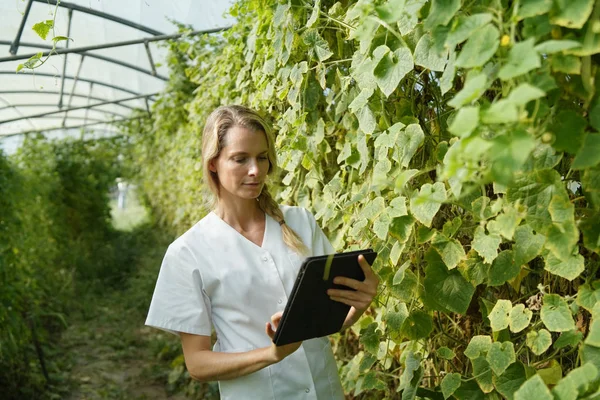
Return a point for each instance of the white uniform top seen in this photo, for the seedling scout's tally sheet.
(212, 276)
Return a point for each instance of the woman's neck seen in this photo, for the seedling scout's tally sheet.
(241, 215)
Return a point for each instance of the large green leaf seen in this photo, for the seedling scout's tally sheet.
(450, 250)
(500, 356)
(500, 315)
(318, 47)
(482, 372)
(443, 289)
(417, 325)
(410, 16)
(486, 244)
(522, 58)
(576, 383)
(449, 384)
(589, 154)
(590, 181)
(478, 347)
(424, 204)
(511, 380)
(556, 314)
(407, 143)
(568, 129)
(528, 244)
(533, 388)
(391, 68)
(539, 341)
(465, 121)
(519, 318)
(503, 268)
(473, 89)
(441, 12)
(570, 268)
(427, 57)
(530, 8)
(463, 27)
(571, 13)
(590, 228)
(479, 48)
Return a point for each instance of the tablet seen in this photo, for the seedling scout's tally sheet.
(309, 312)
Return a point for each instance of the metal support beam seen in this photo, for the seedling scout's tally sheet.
(82, 126)
(73, 87)
(76, 108)
(21, 105)
(14, 46)
(147, 46)
(8, 103)
(97, 56)
(64, 71)
(56, 92)
(109, 45)
(46, 75)
(101, 14)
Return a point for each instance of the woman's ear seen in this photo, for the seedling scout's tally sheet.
(211, 166)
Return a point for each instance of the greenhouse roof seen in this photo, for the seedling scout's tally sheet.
(113, 64)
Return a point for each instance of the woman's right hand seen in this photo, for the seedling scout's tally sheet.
(279, 352)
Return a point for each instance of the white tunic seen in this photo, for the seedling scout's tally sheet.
(212, 276)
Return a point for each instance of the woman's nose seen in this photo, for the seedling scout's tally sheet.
(253, 168)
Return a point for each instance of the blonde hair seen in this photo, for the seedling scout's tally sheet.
(219, 122)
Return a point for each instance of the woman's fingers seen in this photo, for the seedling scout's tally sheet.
(269, 330)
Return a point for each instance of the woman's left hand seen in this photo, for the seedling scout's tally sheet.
(361, 297)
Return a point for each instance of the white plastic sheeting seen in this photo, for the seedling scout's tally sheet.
(31, 93)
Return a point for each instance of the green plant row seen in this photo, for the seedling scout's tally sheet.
(460, 139)
(56, 241)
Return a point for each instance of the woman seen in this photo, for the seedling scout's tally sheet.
(233, 270)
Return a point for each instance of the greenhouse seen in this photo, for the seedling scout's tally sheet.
(181, 180)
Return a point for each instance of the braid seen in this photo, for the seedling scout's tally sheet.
(271, 208)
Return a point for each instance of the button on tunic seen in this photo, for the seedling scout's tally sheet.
(213, 277)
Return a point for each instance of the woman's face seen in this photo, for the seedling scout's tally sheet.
(243, 164)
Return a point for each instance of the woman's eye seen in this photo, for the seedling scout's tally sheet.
(239, 160)
(262, 158)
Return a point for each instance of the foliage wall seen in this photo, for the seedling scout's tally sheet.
(460, 139)
(55, 241)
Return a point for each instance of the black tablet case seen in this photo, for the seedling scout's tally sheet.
(309, 312)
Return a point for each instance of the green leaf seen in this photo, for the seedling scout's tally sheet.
(410, 16)
(43, 28)
(524, 93)
(392, 67)
(395, 319)
(576, 383)
(528, 244)
(473, 89)
(451, 226)
(19, 67)
(567, 64)
(463, 27)
(483, 374)
(590, 228)
(500, 356)
(398, 207)
(314, 15)
(401, 228)
(568, 129)
(531, 8)
(506, 223)
(370, 338)
(391, 11)
(590, 181)
(57, 39)
(500, 112)
(519, 318)
(427, 57)
(594, 114)
(571, 13)
(319, 48)
(539, 341)
(443, 289)
(510, 152)
(500, 315)
(478, 347)
(503, 269)
(417, 325)
(424, 204)
(569, 269)
(555, 46)
(474, 269)
(486, 244)
(465, 121)
(511, 380)
(589, 154)
(447, 79)
(407, 143)
(569, 338)
(552, 373)
(555, 314)
(533, 388)
(479, 48)
(450, 250)
(588, 295)
(361, 100)
(366, 120)
(449, 384)
(441, 13)
(522, 58)
(445, 353)
(469, 390)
